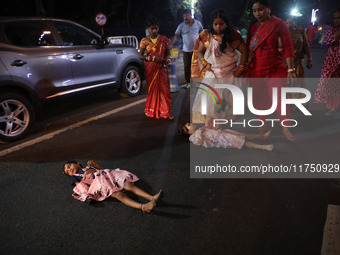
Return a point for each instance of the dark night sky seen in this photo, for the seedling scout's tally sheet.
(121, 23)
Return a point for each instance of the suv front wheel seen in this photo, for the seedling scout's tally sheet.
(16, 116)
(131, 81)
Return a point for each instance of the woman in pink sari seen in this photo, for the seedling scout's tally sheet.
(158, 103)
(328, 90)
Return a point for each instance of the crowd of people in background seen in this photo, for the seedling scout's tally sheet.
(271, 54)
(271, 49)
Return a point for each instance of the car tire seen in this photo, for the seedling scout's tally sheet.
(131, 81)
(16, 116)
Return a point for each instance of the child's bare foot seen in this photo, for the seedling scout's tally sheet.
(288, 134)
(148, 206)
(265, 135)
(268, 147)
(158, 195)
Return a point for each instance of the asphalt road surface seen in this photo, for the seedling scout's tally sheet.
(271, 216)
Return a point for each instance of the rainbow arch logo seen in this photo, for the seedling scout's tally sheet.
(209, 93)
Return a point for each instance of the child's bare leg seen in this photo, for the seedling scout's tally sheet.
(141, 193)
(267, 147)
(258, 136)
(132, 203)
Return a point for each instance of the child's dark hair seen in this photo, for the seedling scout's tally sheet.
(151, 21)
(71, 162)
(227, 33)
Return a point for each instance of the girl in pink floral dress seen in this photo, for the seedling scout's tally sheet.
(328, 90)
(95, 183)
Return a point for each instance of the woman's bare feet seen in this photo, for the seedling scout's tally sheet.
(262, 129)
(330, 113)
(288, 134)
(267, 147)
(158, 196)
(148, 206)
(266, 135)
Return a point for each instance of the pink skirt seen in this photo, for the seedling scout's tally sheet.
(102, 184)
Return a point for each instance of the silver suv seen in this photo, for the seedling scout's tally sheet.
(42, 58)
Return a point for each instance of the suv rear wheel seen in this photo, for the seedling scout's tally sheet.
(16, 116)
(131, 81)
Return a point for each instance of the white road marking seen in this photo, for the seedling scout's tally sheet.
(50, 135)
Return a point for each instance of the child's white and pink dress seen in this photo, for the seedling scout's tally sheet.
(220, 138)
(102, 184)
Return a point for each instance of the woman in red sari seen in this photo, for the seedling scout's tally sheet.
(266, 61)
(158, 103)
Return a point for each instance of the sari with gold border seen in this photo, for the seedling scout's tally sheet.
(158, 103)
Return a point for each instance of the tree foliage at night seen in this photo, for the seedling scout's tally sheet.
(128, 16)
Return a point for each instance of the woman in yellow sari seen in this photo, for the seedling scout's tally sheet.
(158, 103)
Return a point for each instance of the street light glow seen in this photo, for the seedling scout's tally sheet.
(296, 13)
(313, 19)
(192, 8)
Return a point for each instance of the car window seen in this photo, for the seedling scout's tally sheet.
(29, 34)
(74, 35)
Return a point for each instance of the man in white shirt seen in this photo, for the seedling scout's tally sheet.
(189, 29)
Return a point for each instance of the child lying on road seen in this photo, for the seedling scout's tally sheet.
(94, 182)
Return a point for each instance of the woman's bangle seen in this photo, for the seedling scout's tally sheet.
(147, 58)
(153, 58)
(291, 70)
(204, 63)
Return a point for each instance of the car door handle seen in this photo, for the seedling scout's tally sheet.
(119, 51)
(78, 56)
(18, 62)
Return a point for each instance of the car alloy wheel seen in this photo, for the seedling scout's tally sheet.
(16, 116)
(132, 82)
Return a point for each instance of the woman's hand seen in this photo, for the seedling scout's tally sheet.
(309, 63)
(291, 76)
(208, 67)
(158, 60)
(337, 36)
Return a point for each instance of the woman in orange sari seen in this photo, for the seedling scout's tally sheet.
(158, 103)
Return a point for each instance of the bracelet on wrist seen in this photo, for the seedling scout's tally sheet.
(153, 58)
(291, 70)
(204, 63)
